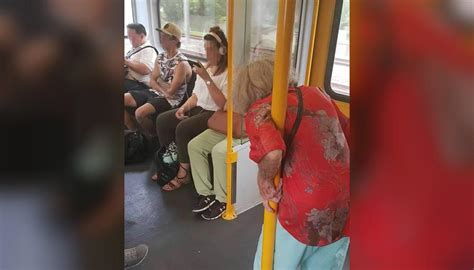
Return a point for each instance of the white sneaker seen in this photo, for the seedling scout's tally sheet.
(134, 256)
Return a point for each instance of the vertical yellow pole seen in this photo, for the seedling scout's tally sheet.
(231, 155)
(286, 18)
(312, 42)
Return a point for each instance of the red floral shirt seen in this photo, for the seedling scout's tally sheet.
(314, 208)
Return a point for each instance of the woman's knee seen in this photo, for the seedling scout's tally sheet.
(143, 112)
(162, 118)
(129, 101)
(219, 150)
(195, 145)
(165, 121)
(184, 128)
(185, 132)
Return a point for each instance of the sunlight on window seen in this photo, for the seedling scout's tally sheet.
(128, 18)
(263, 27)
(340, 72)
(194, 17)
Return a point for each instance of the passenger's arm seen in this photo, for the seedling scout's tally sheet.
(178, 79)
(267, 148)
(188, 105)
(267, 170)
(137, 67)
(155, 75)
(263, 135)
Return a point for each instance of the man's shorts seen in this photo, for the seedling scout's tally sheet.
(132, 85)
(141, 97)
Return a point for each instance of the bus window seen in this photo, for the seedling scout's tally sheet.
(194, 18)
(340, 68)
(263, 25)
(127, 6)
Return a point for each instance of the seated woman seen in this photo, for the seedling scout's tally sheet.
(168, 85)
(253, 82)
(209, 95)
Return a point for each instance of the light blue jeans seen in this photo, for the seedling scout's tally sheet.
(290, 254)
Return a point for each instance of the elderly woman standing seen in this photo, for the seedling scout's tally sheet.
(313, 211)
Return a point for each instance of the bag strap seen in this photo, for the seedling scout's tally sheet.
(148, 46)
(130, 55)
(289, 138)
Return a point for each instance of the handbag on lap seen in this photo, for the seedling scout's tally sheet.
(218, 122)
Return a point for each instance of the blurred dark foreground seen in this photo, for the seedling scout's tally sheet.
(61, 194)
(412, 118)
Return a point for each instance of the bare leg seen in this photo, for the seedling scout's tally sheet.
(182, 178)
(128, 120)
(183, 170)
(143, 115)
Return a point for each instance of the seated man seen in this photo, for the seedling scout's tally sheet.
(139, 60)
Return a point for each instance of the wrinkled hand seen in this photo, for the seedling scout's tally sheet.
(269, 192)
(180, 113)
(202, 72)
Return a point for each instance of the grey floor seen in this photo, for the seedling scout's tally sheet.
(177, 238)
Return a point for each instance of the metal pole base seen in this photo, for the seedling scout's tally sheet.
(229, 213)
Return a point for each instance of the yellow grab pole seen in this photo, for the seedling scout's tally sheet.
(229, 213)
(312, 40)
(286, 18)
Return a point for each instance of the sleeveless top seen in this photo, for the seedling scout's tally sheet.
(167, 67)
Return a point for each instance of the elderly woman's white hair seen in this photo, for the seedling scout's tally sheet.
(253, 82)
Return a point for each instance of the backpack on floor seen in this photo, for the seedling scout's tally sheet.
(135, 147)
(166, 163)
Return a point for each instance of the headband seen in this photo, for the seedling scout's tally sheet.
(215, 36)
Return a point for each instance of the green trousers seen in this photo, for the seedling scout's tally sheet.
(214, 143)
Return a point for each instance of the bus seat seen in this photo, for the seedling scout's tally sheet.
(189, 88)
(190, 85)
(245, 193)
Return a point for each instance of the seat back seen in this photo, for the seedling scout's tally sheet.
(189, 87)
(191, 83)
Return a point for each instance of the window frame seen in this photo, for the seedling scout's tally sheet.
(332, 54)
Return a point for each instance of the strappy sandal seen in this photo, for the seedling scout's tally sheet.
(177, 182)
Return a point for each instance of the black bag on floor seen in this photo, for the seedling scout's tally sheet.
(136, 147)
(166, 163)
